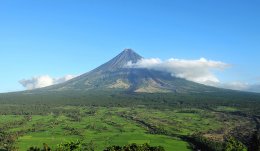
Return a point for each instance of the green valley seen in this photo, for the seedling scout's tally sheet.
(169, 127)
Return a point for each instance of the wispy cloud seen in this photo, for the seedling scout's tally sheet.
(242, 86)
(257, 79)
(254, 88)
(201, 70)
(235, 85)
(43, 81)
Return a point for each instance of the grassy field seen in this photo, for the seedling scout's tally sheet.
(106, 126)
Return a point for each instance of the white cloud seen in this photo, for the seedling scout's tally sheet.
(201, 70)
(64, 79)
(254, 88)
(242, 86)
(235, 85)
(43, 81)
(257, 79)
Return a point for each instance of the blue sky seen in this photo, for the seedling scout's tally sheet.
(60, 37)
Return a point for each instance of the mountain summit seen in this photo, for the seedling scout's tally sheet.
(116, 76)
(120, 61)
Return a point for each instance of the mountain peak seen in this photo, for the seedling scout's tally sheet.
(127, 50)
(127, 55)
(130, 53)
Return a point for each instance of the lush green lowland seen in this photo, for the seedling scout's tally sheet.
(175, 124)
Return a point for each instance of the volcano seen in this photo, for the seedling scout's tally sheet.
(116, 83)
(115, 75)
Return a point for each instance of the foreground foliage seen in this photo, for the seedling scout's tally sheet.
(234, 145)
(79, 146)
(135, 147)
(230, 144)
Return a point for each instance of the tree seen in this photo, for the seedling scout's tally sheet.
(135, 147)
(234, 145)
(34, 149)
(45, 148)
(75, 146)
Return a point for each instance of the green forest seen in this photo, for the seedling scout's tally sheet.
(156, 122)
